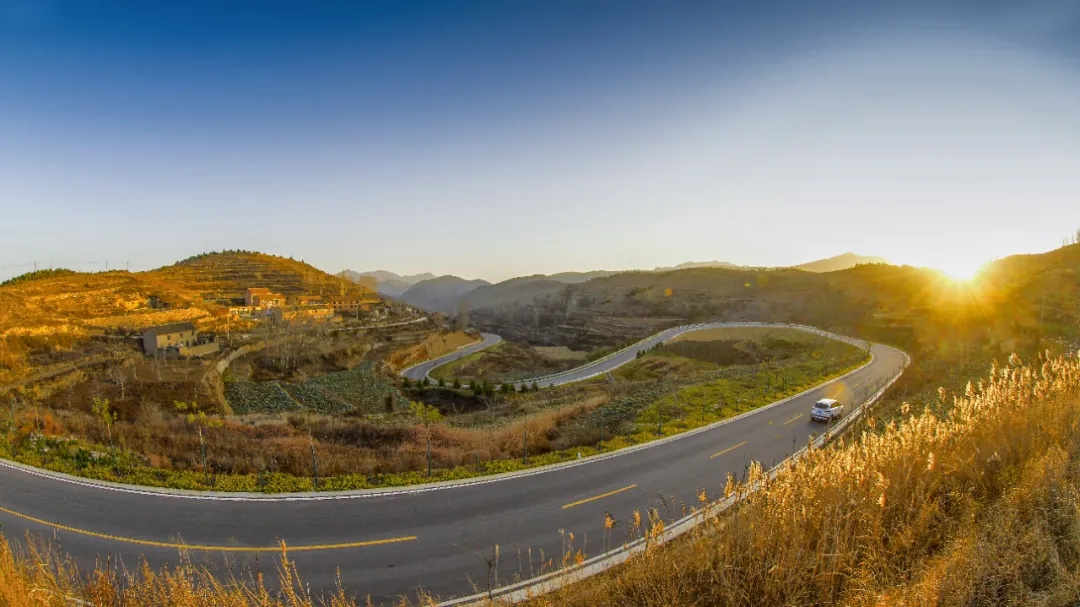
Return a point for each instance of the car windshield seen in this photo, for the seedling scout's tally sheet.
(821, 405)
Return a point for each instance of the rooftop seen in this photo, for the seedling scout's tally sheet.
(175, 327)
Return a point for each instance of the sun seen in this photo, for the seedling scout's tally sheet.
(961, 271)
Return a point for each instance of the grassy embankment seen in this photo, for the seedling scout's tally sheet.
(507, 361)
(385, 449)
(978, 507)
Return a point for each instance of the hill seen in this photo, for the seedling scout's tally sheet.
(226, 275)
(510, 292)
(697, 264)
(839, 262)
(55, 317)
(447, 294)
(442, 294)
(386, 283)
(576, 277)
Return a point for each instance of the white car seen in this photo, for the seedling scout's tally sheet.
(826, 410)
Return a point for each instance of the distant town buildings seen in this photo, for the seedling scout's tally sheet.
(262, 303)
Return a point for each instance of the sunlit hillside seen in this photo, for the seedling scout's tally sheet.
(227, 274)
(52, 317)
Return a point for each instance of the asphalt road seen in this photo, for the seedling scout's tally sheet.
(419, 372)
(438, 539)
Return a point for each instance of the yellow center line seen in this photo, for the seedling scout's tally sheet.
(592, 499)
(178, 546)
(732, 448)
(799, 416)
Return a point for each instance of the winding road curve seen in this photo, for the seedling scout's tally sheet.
(391, 542)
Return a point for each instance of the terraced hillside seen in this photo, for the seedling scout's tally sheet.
(53, 318)
(226, 275)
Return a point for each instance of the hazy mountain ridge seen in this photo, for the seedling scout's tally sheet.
(441, 294)
(449, 294)
(838, 262)
(386, 283)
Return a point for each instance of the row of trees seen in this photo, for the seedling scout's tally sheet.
(484, 388)
(641, 353)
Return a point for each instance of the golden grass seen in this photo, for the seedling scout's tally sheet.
(979, 507)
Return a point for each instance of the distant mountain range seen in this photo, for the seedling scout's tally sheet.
(840, 262)
(831, 264)
(387, 283)
(451, 294)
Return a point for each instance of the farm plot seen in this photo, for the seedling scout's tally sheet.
(258, 397)
(334, 393)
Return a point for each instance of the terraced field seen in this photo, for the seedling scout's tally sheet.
(357, 389)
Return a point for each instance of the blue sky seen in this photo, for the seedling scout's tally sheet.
(495, 139)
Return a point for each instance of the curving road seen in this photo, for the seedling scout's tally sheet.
(424, 369)
(392, 542)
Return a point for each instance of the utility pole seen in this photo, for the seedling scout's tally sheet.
(314, 461)
(202, 447)
(601, 429)
(525, 446)
(429, 453)
(660, 410)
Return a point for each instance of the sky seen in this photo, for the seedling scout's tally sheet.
(507, 138)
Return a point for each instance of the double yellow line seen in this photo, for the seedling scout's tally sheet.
(204, 547)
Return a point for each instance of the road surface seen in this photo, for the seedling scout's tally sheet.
(439, 539)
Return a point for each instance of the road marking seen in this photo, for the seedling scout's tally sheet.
(178, 546)
(799, 416)
(726, 450)
(593, 499)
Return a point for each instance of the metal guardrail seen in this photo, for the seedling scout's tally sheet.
(555, 580)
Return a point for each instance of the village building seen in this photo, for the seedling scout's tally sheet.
(177, 339)
(259, 297)
(315, 312)
(352, 303)
(306, 300)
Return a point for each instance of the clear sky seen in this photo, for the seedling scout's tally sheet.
(495, 139)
